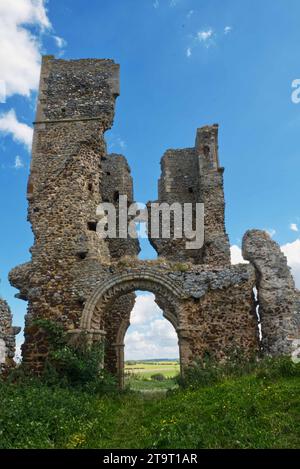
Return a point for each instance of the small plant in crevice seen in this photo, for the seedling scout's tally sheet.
(180, 267)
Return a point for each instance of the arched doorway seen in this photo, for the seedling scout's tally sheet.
(151, 351)
(107, 312)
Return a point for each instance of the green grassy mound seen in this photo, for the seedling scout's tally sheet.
(251, 411)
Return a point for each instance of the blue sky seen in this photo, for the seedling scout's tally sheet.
(184, 64)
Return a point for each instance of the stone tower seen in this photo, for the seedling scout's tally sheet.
(193, 175)
(7, 338)
(75, 107)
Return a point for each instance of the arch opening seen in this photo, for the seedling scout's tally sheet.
(107, 313)
(151, 345)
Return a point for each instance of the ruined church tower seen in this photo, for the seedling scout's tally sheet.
(87, 284)
(75, 107)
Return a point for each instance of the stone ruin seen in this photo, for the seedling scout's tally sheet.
(87, 284)
(7, 338)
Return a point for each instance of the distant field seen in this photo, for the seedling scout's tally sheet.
(145, 369)
(138, 375)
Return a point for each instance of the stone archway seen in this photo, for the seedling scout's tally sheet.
(98, 313)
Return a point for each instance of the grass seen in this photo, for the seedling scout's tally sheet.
(256, 410)
(139, 384)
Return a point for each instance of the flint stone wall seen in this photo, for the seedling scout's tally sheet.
(7, 337)
(193, 175)
(277, 296)
(214, 311)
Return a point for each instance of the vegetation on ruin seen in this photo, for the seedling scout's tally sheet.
(70, 363)
(254, 408)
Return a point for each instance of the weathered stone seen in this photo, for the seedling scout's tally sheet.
(278, 298)
(7, 337)
(194, 175)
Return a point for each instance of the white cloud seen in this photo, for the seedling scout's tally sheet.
(271, 232)
(122, 144)
(115, 142)
(292, 253)
(18, 353)
(2, 91)
(144, 310)
(21, 133)
(150, 335)
(20, 48)
(290, 250)
(205, 35)
(162, 329)
(18, 163)
(156, 4)
(294, 227)
(236, 255)
(60, 42)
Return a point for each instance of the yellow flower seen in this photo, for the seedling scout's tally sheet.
(76, 440)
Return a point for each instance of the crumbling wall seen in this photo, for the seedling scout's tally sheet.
(7, 337)
(216, 249)
(277, 296)
(75, 108)
(117, 181)
(193, 175)
(212, 310)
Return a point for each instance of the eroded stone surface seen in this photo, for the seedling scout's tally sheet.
(277, 296)
(7, 337)
(193, 175)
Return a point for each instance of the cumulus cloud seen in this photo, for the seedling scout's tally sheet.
(21, 133)
(20, 48)
(2, 91)
(294, 227)
(18, 352)
(236, 255)
(150, 336)
(144, 310)
(292, 253)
